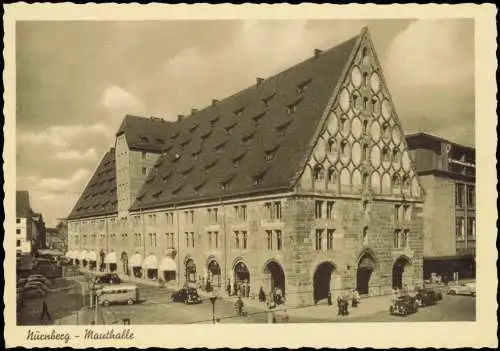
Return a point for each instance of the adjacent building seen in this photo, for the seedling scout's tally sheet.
(447, 172)
(30, 227)
(303, 182)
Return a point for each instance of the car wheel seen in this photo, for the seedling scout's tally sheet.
(130, 301)
(473, 294)
(105, 303)
(452, 292)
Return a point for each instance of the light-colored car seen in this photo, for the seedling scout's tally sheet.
(33, 291)
(21, 282)
(463, 289)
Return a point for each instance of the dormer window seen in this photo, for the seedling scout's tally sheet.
(331, 145)
(239, 112)
(282, 127)
(229, 128)
(193, 128)
(385, 155)
(199, 185)
(268, 99)
(159, 141)
(144, 139)
(365, 103)
(292, 108)
(206, 135)
(343, 148)
(175, 135)
(302, 87)
(365, 79)
(256, 119)
(157, 194)
(385, 130)
(220, 146)
(194, 155)
(332, 175)
(248, 137)
(396, 155)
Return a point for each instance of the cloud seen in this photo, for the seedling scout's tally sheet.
(117, 99)
(62, 136)
(73, 155)
(75, 182)
(430, 73)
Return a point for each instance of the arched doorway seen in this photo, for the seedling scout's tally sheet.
(190, 269)
(366, 267)
(124, 259)
(277, 276)
(400, 273)
(213, 269)
(321, 281)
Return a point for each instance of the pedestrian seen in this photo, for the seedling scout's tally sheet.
(235, 288)
(45, 311)
(262, 295)
(394, 296)
(339, 307)
(329, 298)
(228, 288)
(355, 298)
(239, 306)
(286, 317)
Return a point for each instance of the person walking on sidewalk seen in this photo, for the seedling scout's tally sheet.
(329, 298)
(286, 317)
(45, 311)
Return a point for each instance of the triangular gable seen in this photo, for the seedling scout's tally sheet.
(360, 146)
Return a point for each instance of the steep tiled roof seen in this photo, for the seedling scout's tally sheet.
(145, 134)
(23, 209)
(99, 196)
(253, 141)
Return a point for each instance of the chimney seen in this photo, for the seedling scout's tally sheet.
(215, 102)
(317, 52)
(193, 111)
(259, 81)
(179, 117)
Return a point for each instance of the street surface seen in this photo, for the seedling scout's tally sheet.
(156, 307)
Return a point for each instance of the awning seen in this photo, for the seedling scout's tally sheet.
(135, 260)
(150, 262)
(110, 257)
(168, 264)
(92, 256)
(84, 255)
(77, 255)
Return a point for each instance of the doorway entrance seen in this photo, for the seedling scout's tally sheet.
(277, 276)
(366, 267)
(398, 273)
(322, 280)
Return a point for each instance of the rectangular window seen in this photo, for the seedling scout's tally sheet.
(243, 210)
(18, 231)
(18, 220)
(405, 238)
(186, 216)
(471, 196)
(192, 239)
(216, 239)
(269, 211)
(144, 171)
(318, 209)
(319, 239)
(459, 227)
(269, 234)
(191, 216)
(397, 233)
(329, 209)
(471, 228)
(245, 238)
(407, 212)
(277, 207)
(187, 238)
(459, 195)
(144, 155)
(396, 212)
(210, 239)
(154, 239)
(18, 243)
(279, 240)
(236, 240)
(329, 239)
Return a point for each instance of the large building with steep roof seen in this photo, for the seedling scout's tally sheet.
(302, 182)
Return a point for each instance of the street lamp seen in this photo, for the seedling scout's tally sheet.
(213, 298)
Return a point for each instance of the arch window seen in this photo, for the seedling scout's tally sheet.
(343, 148)
(365, 236)
(386, 132)
(319, 173)
(396, 155)
(331, 145)
(332, 175)
(365, 79)
(385, 155)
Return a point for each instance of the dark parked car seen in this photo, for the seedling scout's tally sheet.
(187, 295)
(105, 279)
(404, 305)
(427, 297)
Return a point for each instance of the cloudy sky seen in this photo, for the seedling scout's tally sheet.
(76, 81)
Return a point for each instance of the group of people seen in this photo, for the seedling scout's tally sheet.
(343, 302)
(239, 288)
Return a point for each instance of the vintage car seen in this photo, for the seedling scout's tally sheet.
(404, 305)
(37, 284)
(105, 279)
(187, 295)
(462, 289)
(32, 291)
(39, 278)
(427, 297)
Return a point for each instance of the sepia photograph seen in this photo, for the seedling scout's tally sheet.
(224, 171)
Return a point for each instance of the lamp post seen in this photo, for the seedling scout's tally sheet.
(213, 298)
